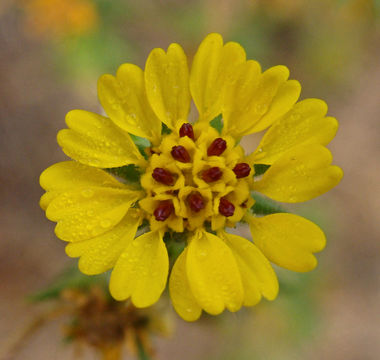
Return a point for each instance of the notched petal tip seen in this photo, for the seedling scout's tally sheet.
(288, 240)
(337, 173)
(141, 271)
(167, 86)
(183, 300)
(300, 174)
(213, 275)
(214, 37)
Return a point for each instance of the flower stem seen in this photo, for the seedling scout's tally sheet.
(141, 352)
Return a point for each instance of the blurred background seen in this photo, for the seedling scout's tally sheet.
(51, 55)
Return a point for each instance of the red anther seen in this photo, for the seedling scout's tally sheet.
(217, 147)
(180, 153)
(241, 170)
(163, 210)
(196, 202)
(226, 208)
(186, 130)
(163, 176)
(212, 174)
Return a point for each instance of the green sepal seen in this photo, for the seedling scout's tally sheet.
(130, 173)
(141, 144)
(165, 129)
(175, 244)
(217, 123)
(260, 169)
(265, 206)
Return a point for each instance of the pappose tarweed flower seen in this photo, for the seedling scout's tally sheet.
(194, 179)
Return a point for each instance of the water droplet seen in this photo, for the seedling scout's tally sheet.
(94, 231)
(105, 223)
(87, 193)
(261, 109)
(116, 106)
(295, 116)
(202, 254)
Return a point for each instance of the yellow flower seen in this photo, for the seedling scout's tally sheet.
(194, 180)
(60, 17)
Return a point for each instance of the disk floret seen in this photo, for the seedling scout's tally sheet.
(196, 176)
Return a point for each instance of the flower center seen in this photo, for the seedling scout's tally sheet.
(195, 177)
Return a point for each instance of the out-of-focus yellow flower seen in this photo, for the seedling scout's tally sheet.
(107, 325)
(57, 18)
(194, 179)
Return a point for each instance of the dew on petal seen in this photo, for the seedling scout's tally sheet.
(87, 193)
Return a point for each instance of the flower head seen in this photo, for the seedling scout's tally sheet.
(194, 180)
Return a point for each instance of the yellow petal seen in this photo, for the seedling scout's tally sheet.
(89, 212)
(71, 174)
(141, 271)
(256, 272)
(182, 298)
(253, 101)
(288, 240)
(96, 141)
(213, 65)
(100, 254)
(47, 198)
(302, 173)
(167, 84)
(68, 175)
(124, 99)
(304, 124)
(286, 96)
(238, 97)
(213, 274)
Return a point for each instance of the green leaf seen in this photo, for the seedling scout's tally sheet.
(265, 206)
(71, 278)
(217, 123)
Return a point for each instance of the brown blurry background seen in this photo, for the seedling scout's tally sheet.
(51, 54)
